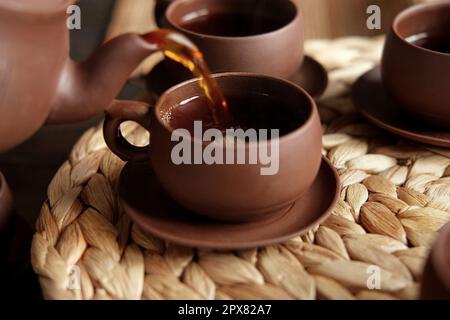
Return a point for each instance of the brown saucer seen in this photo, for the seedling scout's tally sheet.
(371, 99)
(312, 77)
(148, 206)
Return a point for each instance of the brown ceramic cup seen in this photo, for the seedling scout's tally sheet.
(230, 192)
(417, 78)
(277, 53)
(436, 277)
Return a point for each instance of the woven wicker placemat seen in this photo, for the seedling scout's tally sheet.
(395, 197)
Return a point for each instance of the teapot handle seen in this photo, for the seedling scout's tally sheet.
(119, 112)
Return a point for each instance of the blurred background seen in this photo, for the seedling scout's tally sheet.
(323, 18)
(30, 167)
(338, 18)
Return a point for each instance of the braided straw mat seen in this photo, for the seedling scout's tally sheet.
(395, 197)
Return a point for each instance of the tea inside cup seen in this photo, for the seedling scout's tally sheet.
(234, 18)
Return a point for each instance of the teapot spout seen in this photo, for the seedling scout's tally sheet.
(86, 89)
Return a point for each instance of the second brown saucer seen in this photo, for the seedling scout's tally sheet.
(373, 102)
(312, 77)
(143, 199)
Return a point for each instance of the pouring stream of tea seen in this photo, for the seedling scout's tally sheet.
(177, 47)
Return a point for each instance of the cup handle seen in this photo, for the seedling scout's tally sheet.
(117, 113)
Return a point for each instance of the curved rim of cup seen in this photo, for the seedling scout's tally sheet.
(441, 256)
(410, 11)
(286, 26)
(307, 124)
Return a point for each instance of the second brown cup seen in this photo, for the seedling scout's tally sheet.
(229, 192)
(415, 71)
(259, 36)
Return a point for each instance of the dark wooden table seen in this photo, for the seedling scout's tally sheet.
(30, 167)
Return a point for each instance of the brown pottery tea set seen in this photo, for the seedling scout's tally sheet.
(254, 50)
(250, 47)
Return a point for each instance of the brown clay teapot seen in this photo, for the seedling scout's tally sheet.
(39, 83)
